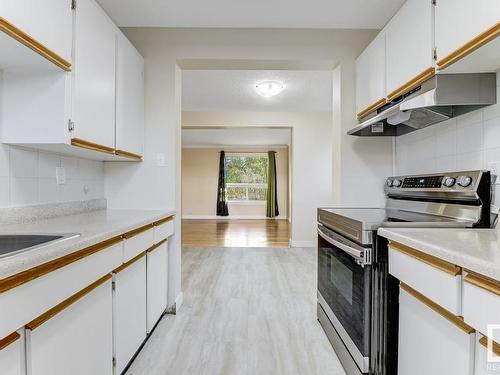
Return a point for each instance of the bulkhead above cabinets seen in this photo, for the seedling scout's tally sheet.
(72, 83)
(420, 41)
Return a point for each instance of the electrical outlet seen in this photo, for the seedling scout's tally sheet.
(160, 160)
(60, 175)
(494, 168)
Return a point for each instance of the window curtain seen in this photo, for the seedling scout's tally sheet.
(221, 187)
(272, 194)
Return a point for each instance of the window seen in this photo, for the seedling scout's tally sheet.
(246, 177)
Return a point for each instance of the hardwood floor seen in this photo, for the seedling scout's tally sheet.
(235, 233)
(246, 311)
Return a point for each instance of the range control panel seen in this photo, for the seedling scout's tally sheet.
(431, 182)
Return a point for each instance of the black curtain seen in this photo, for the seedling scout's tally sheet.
(221, 187)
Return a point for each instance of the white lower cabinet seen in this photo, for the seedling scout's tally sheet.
(77, 339)
(157, 281)
(487, 361)
(12, 355)
(129, 311)
(429, 343)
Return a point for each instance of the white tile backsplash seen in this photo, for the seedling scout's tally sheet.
(29, 177)
(471, 141)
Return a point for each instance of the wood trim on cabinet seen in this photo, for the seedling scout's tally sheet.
(412, 83)
(496, 347)
(483, 282)
(129, 263)
(163, 221)
(137, 231)
(457, 321)
(156, 246)
(7, 340)
(470, 46)
(129, 155)
(92, 146)
(43, 269)
(37, 322)
(19, 35)
(440, 264)
(379, 103)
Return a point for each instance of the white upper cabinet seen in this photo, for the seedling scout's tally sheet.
(459, 22)
(129, 98)
(48, 22)
(409, 46)
(370, 77)
(94, 75)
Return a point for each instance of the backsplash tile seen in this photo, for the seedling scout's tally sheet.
(28, 177)
(471, 141)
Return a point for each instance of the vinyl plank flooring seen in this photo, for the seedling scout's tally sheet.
(246, 311)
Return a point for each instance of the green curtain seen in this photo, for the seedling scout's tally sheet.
(272, 194)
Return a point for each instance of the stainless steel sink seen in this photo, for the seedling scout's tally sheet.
(11, 244)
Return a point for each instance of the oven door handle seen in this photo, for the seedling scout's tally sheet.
(357, 254)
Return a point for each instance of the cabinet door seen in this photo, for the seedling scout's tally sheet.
(460, 21)
(49, 22)
(370, 77)
(129, 98)
(11, 355)
(77, 340)
(94, 75)
(157, 271)
(487, 359)
(129, 311)
(429, 343)
(409, 44)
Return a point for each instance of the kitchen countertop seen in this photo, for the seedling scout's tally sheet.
(94, 227)
(477, 250)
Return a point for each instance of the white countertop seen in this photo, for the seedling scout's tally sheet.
(477, 250)
(94, 227)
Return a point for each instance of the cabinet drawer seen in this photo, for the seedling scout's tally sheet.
(137, 241)
(481, 304)
(27, 301)
(11, 354)
(164, 229)
(434, 278)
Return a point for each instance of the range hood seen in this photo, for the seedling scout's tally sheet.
(439, 98)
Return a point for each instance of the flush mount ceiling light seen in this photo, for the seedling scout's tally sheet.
(268, 89)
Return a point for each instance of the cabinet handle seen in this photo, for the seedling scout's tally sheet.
(483, 283)
(412, 83)
(156, 246)
(92, 146)
(163, 221)
(137, 231)
(32, 44)
(6, 341)
(129, 263)
(438, 309)
(427, 259)
(470, 46)
(37, 322)
(33, 273)
(371, 108)
(129, 155)
(496, 347)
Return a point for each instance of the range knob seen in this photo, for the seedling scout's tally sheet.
(389, 182)
(464, 181)
(397, 183)
(449, 181)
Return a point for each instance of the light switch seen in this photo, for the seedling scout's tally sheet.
(61, 175)
(494, 168)
(160, 160)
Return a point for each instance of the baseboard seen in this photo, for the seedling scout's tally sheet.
(303, 243)
(231, 217)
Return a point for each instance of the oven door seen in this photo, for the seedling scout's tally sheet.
(344, 292)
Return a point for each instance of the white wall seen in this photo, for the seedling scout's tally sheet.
(468, 142)
(28, 177)
(147, 186)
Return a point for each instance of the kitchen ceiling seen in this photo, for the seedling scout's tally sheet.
(234, 90)
(352, 14)
(235, 137)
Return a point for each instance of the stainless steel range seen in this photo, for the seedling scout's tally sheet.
(357, 298)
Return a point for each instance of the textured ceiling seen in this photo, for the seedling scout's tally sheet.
(351, 14)
(234, 90)
(235, 137)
